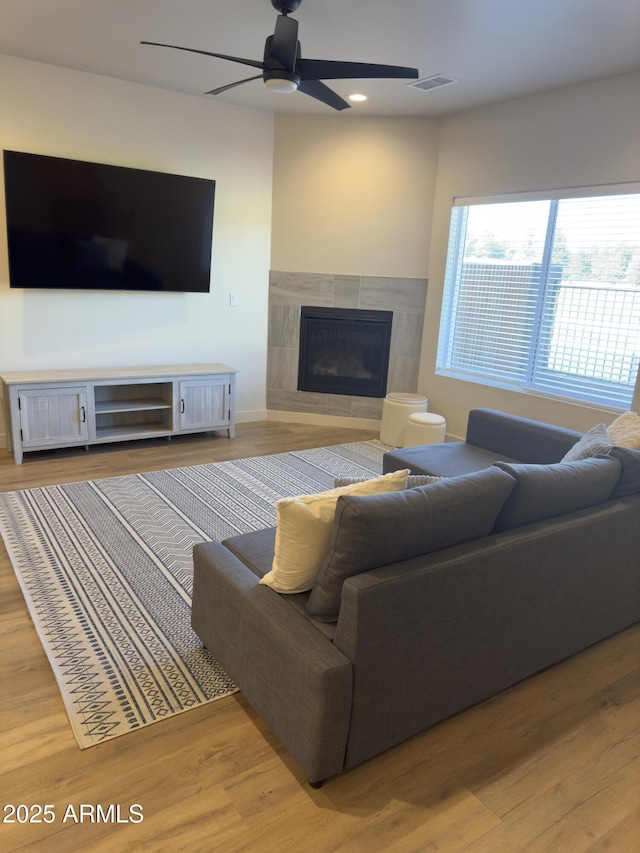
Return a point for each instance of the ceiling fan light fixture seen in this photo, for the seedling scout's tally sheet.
(357, 97)
(281, 81)
(281, 86)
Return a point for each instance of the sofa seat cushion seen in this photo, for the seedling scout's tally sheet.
(377, 530)
(255, 550)
(450, 459)
(544, 491)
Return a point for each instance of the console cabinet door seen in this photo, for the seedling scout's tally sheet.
(205, 403)
(53, 416)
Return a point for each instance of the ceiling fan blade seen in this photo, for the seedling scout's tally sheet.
(254, 63)
(323, 93)
(284, 42)
(233, 85)
(321, 69)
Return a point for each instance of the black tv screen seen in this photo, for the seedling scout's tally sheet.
(78, 225)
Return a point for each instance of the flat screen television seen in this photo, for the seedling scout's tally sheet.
(90, 226)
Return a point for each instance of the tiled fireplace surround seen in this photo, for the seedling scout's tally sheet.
(289, 290)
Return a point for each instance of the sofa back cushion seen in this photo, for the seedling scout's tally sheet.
(544, 491)
(629, 480)
(374, 531)
(517, 438)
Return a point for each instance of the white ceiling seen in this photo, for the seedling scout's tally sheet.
(496, 49)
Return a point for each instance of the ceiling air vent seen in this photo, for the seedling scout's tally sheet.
(433, 82)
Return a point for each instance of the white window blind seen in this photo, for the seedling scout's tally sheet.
(544, 295)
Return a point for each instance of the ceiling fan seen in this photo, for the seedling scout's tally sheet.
(284, 70)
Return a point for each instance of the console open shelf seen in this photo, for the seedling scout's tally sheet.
(130, 406)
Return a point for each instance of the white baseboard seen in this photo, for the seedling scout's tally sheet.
(323, 420)
(249, 416)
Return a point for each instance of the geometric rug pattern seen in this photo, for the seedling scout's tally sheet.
(106, 570)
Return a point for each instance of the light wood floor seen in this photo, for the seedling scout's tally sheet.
(551, 765)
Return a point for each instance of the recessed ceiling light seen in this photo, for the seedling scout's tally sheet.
(357, 97)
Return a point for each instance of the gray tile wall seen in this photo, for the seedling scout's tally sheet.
(406, 297)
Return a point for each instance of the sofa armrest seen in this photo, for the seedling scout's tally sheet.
(294, 677)
(519, 438)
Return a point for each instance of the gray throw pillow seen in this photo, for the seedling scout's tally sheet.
(543, 491)
(596, 442)
(376, 530)
(413, 480)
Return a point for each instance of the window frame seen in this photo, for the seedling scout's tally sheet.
(452, 294)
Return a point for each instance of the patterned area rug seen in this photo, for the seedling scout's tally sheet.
(106, 570)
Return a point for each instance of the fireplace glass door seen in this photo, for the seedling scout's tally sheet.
(344, 351)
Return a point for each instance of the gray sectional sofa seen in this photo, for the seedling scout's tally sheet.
(433, 598)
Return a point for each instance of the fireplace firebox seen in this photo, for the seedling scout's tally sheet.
(344, 351)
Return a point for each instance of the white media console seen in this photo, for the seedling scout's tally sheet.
(46, 409)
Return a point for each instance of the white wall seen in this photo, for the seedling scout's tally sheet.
(50, 110)
(577, 136)
(353, 196)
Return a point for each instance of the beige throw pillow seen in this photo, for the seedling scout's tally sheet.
(625, 430)
(303, 531)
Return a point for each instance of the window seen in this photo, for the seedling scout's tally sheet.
(544, 295)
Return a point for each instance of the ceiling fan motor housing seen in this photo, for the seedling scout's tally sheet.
(285, 7)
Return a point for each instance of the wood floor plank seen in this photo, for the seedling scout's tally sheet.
(573, 740)
(550, 765)
(579, 809)
(537, 701)
(623, 838)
